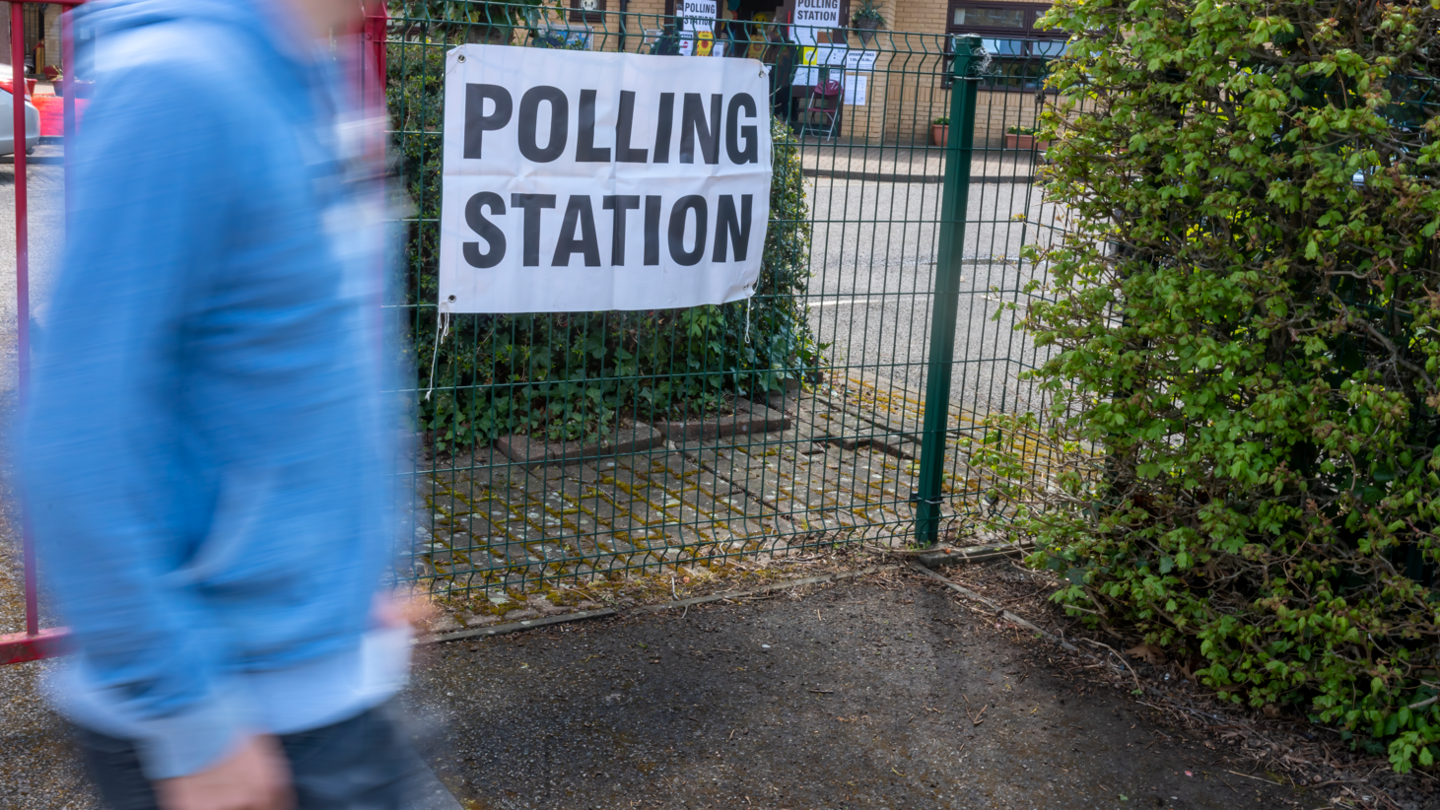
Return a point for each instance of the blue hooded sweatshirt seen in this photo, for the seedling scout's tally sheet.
(206, 455)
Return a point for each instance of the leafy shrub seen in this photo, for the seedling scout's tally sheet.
(1243, 327)
(568, 376)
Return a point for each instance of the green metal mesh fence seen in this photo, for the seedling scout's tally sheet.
(582, 445)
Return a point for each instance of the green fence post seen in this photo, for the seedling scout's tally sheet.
(953, 204)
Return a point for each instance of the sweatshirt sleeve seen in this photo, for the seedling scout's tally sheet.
(118, 494)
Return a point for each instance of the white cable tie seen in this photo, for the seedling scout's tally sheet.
(442, 331)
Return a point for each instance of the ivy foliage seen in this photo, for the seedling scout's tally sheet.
(570, 376)
(473, 20)
(1242, 323)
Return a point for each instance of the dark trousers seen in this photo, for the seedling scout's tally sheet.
(357, 764)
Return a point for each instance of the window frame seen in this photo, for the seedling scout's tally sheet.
(1033, 11)
(1028, 36)
(578, 14)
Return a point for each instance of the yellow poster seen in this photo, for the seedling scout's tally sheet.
(704, 42)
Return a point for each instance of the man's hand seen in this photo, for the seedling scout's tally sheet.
(398, 610)
(253, 777)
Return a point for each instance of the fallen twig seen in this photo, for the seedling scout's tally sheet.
(1002, 612)
(1422, 704)
(1256, 778)
(1138, 687)
(901, 552)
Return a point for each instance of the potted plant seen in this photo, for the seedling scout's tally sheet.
(940, 131)
(1023, 138)
(866, 21)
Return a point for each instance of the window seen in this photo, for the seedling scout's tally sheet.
(987, 17)
(1049, 47)
(587, 10)
(1008, 33)
(990, 18)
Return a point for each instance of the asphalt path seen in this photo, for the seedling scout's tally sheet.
(873, 694)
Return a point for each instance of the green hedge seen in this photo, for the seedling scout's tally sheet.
(568, 376)
(1243, 320)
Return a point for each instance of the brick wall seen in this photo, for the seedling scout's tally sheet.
(915, 96)
(52, 34)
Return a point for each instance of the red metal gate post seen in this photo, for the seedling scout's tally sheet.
(34, 643)
(70, 76)
(376, 18)
(22, 276)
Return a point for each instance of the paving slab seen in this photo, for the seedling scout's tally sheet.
(848, 429)
(897, 413)
(534, 452)
(815, 486)
(705, 514)
(748, 418)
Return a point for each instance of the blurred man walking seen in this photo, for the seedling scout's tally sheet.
(206, 454)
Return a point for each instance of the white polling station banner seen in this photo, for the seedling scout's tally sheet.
(579, 181)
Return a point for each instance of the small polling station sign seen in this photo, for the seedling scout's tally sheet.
(579, 181)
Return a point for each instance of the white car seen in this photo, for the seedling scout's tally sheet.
(7, 125)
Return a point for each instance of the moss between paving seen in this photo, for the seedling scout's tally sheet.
(843, 467)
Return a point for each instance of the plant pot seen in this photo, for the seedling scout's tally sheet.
(1024, 143)
(865, 29)
(940, 134)
(59, 85)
